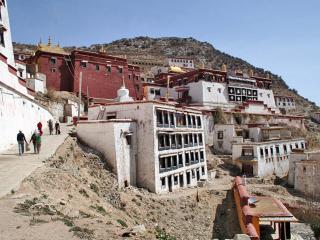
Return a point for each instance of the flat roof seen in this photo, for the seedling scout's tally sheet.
(268, 207)
(171, 104)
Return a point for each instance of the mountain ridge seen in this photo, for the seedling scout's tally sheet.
(148, 48)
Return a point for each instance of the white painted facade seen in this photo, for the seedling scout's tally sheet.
(264, 159)
(21, 70)
(18, 110)
(37, 82)
(170, 143)
(116, 140)
(180, 62)
(285, 102)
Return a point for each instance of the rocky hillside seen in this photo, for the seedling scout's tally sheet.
(146, 48)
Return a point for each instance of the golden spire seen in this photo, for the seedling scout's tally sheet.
(224, 68)
(49, 41)
(102, 49)
(40, 42)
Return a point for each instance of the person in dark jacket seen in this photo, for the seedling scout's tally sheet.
(50, 124)
(57, 127)
(21, 139)
(34, 141)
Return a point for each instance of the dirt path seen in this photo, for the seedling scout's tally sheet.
(15, 168)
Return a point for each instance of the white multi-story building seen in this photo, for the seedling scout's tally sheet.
(180, 62)
(215, 88)
(265, 159)
(304, 172)
(18, 110)
(284, 102)
(168, 148)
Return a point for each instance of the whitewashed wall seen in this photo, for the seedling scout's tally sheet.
(108, 138)
(18, 113)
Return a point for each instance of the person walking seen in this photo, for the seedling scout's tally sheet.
(50, 125)
(21, 139)
(39, 126)
(57, 127)
(34, 141)
(38, 142)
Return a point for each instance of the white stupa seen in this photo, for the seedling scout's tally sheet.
(123, 94)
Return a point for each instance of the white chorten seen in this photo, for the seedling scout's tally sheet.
(123, 94)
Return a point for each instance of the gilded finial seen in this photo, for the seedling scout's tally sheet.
(49, 41)
(224, 68)
(40, 42)
(58, 45)
(102, 49)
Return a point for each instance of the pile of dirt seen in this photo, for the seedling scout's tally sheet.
(75, 196)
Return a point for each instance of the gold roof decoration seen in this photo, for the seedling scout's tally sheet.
(51, 48)
(224, 68)
(251, 74)
(175, 69)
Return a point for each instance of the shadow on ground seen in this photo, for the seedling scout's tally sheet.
(226, 220)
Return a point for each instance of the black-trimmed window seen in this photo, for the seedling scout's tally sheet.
(108, 68)
(97, 67)
(83, 64)
(220, 135)
(53, 61)
(120, 69)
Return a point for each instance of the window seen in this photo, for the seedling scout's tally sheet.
(302, 145)
(220, 134)
(163, 182)
(200, 139)
(157, 92)
(53, 61)
(53, 70)
(97, 67)
(21, 74)
(151, 90)
(2, 39)
(129, 76)
(193, 173)
(219, 90)
(261, 152)
(83, 64)
(109, 68)
(175, 180)
(199, 121)
(203, 171)
(120, 69)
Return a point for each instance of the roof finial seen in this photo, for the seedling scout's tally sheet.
(58, 45)
(224, 68)
(123, 84)
(49, 41)
(40, 42)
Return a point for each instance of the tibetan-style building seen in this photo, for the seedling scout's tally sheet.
(102, 74)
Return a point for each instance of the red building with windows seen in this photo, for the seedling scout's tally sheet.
(102, 75)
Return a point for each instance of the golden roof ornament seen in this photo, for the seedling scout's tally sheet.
(224, 68)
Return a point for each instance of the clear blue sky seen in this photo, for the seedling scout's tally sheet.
(280, 36)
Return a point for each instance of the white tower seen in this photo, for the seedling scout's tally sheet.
(123, 94)
(6, 48)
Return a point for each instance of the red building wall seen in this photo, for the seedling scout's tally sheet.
(64, 74)
(102, 83)
(58, 75)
